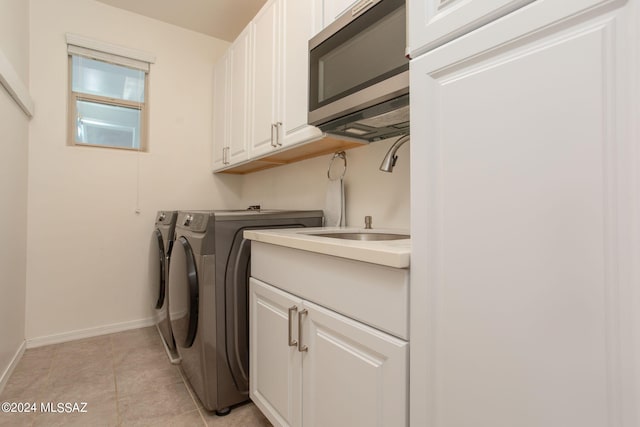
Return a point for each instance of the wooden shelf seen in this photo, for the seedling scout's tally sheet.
(295, 153)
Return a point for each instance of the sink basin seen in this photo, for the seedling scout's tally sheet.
(363, 236)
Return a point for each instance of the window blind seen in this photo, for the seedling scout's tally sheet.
(94, 49)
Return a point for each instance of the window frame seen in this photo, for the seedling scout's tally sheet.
(124, 57)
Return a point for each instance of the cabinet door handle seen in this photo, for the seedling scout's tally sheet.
(301, 348)
(273, 128)
(225, 155)
(278, 136)
(292, 343)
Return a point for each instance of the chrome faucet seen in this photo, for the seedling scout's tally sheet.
(390, 158)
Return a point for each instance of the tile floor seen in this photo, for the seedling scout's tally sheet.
(125, 379)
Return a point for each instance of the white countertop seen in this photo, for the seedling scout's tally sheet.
(392, 253)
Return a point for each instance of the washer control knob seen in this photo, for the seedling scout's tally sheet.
(162, 216)
(187, 220)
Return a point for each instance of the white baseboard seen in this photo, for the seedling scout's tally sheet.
(14, 362)
(88, 333)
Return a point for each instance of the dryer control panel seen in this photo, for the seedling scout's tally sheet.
(194, 221)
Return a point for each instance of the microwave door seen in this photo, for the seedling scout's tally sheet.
(361, 64)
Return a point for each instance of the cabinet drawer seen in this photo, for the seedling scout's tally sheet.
(371, 293)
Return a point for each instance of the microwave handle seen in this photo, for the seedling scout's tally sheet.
(360, 7)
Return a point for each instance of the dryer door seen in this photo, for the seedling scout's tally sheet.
(237, 272)
(157, 268)
(183, 293)
(237, 310)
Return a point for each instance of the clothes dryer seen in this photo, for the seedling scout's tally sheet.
(208, 294)
(160, 253)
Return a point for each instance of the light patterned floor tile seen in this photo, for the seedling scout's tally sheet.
(126, 379)
(164, 401)
(16, 419)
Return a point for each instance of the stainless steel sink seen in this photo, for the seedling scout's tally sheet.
(363, 236)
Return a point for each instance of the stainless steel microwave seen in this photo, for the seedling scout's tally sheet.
(359, 74)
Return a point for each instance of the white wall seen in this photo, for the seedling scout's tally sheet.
(87, 248)
(14, 125)
(384, 196)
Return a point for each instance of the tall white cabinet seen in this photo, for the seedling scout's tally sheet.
(436, 22)
(525, 307)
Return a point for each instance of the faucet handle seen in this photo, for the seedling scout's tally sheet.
(367, 222)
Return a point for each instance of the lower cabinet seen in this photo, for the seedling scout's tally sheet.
(310, 366)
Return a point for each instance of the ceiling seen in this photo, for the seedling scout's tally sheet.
(223, 19)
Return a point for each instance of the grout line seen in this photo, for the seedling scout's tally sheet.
(193, 398)
(48, 386)
(115, 383)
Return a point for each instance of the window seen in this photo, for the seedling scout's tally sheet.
(108, 94)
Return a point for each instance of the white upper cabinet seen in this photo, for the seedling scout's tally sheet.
(266, 85)
(261, 86)
(298, 16)
(332, 9)
(220, 116)
(238, 103)
(433, 23)
(282, 30)
(231, 113)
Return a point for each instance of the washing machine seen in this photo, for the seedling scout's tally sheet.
(159, 256)
(208, 294)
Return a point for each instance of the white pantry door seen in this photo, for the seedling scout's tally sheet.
(525, 224)
(433, 23)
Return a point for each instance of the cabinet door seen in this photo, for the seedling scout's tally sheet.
(435, 22)
(332, 9)
(238, 105)
(220, 113)
(353, 375)
(266, 57)
(274, 365)
(298, 18)
(521, 272)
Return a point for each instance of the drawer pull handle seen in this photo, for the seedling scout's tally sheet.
(301, 348)
(292, 343)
